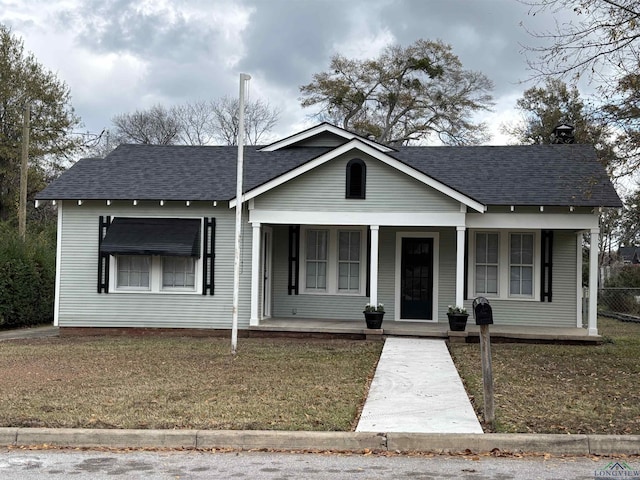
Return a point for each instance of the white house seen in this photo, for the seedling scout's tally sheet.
(331, 221)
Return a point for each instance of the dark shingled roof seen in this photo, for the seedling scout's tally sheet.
(518, 174)
(507, 175)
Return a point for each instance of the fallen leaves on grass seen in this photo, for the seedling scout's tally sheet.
(561, 388)
(157, 382)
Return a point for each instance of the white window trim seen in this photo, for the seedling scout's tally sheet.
(504, 264)
(155, 279)
(332, 260)
(116, 261)
(155, 273)
(487, 263)
(521, 265)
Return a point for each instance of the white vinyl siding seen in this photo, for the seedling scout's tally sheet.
(82, 306)
(387, 190)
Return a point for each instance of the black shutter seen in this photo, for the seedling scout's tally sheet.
(209, 256)
(103, 258)
(546, 270)
(294, 259)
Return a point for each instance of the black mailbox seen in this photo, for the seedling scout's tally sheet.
(482, 311)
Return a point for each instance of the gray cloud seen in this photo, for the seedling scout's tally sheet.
(195, 49)
(290, 40)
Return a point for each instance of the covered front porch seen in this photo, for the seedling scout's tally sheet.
(416, 246)
(279, 301)
(357, 328)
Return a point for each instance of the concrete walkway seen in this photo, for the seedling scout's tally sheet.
(31, 332)
(417, 389)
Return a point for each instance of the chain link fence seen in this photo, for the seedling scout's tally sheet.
(619, 302)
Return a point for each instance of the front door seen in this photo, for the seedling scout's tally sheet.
(416, 279)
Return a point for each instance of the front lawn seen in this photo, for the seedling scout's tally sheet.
(561, 388)
(157, 382)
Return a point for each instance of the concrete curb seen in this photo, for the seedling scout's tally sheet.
(578, 445)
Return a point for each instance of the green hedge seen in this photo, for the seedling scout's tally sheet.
(27, 278)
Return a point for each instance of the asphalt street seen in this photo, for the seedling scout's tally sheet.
(59, 464)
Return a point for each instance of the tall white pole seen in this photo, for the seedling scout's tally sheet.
(244, 80)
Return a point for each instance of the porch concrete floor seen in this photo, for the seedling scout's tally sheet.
(424, 329)
(417, 389)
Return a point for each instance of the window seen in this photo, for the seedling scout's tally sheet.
(316, 265)
(155, 273)
(178, 272)
(504, 264)
(487, 248)
(349, 261)
(356, 177)
(133, 271)
(333, 260)
(521, 264)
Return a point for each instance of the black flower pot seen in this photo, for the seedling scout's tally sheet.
(373, 319)
(457, 321)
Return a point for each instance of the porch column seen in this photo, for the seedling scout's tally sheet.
(460, 231)
(593, 281)
(373, 269)
(579, 290)
(255, 274)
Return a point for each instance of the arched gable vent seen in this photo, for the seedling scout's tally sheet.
(356, 179)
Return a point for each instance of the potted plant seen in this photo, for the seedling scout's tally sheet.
(457, 318)
(373, 314)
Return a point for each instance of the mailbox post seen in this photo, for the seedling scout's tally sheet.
(483, 314)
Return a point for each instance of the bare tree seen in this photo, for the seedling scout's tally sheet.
(156, 126)
(195, 123)
(196, 120)
(260, 118)
(602, 40)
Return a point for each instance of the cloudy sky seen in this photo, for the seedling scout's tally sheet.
(117, 56)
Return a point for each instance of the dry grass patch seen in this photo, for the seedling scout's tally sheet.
(561, 388)
(155, 382)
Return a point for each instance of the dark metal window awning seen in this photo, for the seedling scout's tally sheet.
(152, 236)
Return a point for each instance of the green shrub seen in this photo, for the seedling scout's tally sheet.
(27, 278)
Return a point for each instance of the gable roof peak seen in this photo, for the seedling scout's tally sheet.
(317, 132)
